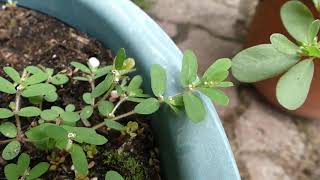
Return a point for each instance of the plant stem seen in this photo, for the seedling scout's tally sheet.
(6, 141)
(17, 108)
(122, 100)
(114, 119)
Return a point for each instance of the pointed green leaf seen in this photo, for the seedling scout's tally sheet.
(189, 68)
(283, 44)
(313, 31)
(158, 80)
(194, 107)
(49, 115)
(114, 125)
(147, 106)
(23, 163)
(6, 86)
(11, 151)
(79, 159)
(113, 175)
(293, 87)
(216, 96)
(70, 107)
(70, 117)
(261, 62)
(86, 112)
(119, 60)
(38, 90)
(38, 170)
(12, 73)
(81, 67)
(11, 172)
(29, 112)
(102, 87)
(8, 129)
(297, 18)
(59, 79)
(218, 68)
(87, 98)
(105, 107)
(5, 113)
(135, 83)
(33, 70)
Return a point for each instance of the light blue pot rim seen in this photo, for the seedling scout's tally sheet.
(188, 151)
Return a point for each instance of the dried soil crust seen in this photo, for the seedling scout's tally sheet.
(30, 38)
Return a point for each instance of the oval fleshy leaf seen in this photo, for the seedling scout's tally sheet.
(105, 107)
(49, 115)
(216, 96)
(70, 117)
(29, 112)
(5, 113)
(135, 83)
(189, 68)
(114, 125)
(283, 44)
(23, 163)
(8, 129)
(147, 106)
(59, 79)
(119, 59)
(10, 172)
(87, 98)
(293, 87)
(38, 90)
(6, 86)
(81, 67)
(261, 62)
(11, 151)
(113, 175)
(86, 112)
(158, 80)
(12, 73)
(38, 170)
(297, 18)
(218, 68)
(79, 159)
(102, 87)
(194, 107)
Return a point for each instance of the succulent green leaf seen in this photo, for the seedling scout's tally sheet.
(128, 64)
(87, 98)
(58, 109)
(79, 78)
(158, 80)
(79, 159)
(8, 129)
(37, 78)
(49, 115)
(103, 71)
(33, 70)
(12, 73)
(296, 18)
(114, 125)
(176, 101)
(105, 107)
(51, 96)
(283, 44)
(36, 100)
(59, 79)
(147, 106)
(70, 107)
(261, 62)
(225, 84)
(113, 175)
(86, 112)
(293, 87)
(135, 83)
(38, 90)
(189, 68)
(23, 163)
(70, 117)
(38, 170)
(81, 67)
(102, 87)
(49, 71)
(55, 132)
(5, 113)
(12, 150)
(216, 96)
(29, 112)
(6, 86)
(86, 135)
(218, 68)
(120, 58)
(313, 31)
(194, 107)
(11, 172)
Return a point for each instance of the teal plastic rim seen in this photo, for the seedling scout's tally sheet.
(188, 151)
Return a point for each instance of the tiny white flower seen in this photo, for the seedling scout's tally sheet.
(71, 135)
(94, 62)
(114, 94)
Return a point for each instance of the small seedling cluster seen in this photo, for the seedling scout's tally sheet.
(294, 61)
(70, 130)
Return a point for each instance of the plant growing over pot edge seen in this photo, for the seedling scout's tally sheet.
(70, 130)
(295, 60)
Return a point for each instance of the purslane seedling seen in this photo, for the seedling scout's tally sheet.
(294, 61)
(71, 130)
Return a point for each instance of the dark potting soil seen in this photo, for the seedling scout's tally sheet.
(30, 38)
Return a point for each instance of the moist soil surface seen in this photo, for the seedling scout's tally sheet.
(31, 38)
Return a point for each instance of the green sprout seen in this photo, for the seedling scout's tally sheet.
(294, 61)
(70, 130)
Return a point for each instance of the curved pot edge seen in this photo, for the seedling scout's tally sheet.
(188, 151)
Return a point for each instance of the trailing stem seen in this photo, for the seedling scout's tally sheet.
(100, 125)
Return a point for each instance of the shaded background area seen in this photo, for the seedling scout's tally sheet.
(268, 144)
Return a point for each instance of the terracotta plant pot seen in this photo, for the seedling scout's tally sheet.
(187, 151)
(266, 22)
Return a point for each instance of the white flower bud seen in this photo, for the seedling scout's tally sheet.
(94, 62)
(114, 94)
(71, 135)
